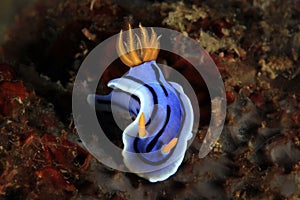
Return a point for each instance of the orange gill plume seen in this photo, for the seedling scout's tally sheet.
(138, 50)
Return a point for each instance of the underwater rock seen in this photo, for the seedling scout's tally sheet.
(255, 46)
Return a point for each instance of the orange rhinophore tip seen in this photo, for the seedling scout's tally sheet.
(139, 49)
(168, 147)
(142, 127)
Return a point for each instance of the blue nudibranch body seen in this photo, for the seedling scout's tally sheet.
(156, 141)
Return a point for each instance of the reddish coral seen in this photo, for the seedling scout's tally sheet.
(57, 159)
(11, 95)
(13, 89)
(6, 72)
(61, 152)
(257, 99)
(51, 176)
(218, 60)
(6, 178)
(230, 97)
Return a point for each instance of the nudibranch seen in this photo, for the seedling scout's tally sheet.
(156, 140)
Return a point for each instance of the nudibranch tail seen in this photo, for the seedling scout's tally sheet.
(143, 49)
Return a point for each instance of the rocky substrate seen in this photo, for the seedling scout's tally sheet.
(256, 47)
